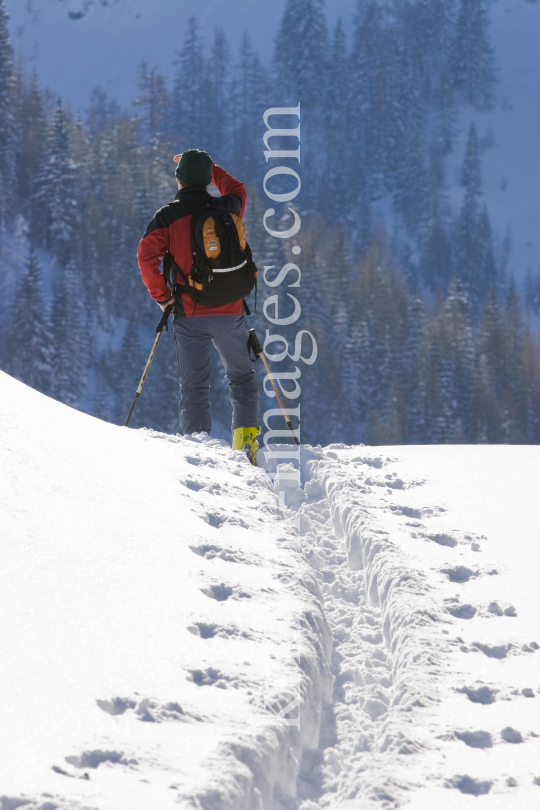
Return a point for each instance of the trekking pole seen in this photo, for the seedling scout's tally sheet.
(161, 325)
(253, 343)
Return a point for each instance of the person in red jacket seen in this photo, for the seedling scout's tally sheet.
(196, 325)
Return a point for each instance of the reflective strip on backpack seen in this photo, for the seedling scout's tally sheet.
(228, 269)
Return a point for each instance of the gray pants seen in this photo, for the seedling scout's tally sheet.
(193, 338)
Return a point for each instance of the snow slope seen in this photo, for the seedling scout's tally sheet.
(153, 603)
(161, 600)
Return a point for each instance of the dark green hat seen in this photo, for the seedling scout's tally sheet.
(194, 168)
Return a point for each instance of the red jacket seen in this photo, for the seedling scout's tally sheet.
(170, 230)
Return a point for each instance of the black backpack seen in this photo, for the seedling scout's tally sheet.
(222, 269)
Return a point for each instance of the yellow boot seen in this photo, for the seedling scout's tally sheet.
(246, 439)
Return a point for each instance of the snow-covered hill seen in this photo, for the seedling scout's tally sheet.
(161, 600)
(152, 601)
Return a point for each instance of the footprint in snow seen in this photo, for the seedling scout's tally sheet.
(443, 540)
(378, 463)
(497, 610)
(212, 677)
(459, 574)
(474, 787)
(407, 511)
(480, 694)
(511, 735)
(214, 519)
(116, 706)
(209, 630)
(461, 611)
(195, 486)
(93, 759)
(499, 651)
(217, 520)
(12, 803)
(146, 710)
(220, 592)
(212, 552)
(475, 739)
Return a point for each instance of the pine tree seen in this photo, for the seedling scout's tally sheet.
(474, 250)
(248, 98)
(218, 86)
(300, 67)
(433, 25)
(369, 115)
(31, 128)
(471, 177)
(7, 121)
(471, 58)
(301, 52)
(532, 292)
(101, 409)
(489, 374)
(30, 344)
(191, 109)
(410, 183)
(56, 191)
(102, 112)
(531, 389)
(436, 262)
(71, 342)
(337, 179)
(155, 103)
(130, 366)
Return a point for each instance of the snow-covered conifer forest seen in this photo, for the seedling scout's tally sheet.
(424, 320)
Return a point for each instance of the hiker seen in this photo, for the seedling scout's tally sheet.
(208, 267)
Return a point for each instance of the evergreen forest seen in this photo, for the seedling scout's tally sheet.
(423, 335)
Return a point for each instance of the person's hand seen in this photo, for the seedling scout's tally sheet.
(168, 303)
(176, 158)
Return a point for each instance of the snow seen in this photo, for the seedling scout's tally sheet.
(160, 597)
(120, 588)
(438, 675)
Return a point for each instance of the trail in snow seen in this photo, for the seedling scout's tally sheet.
(433, 684)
